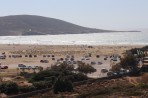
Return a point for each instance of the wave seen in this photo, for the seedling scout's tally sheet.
(123, 38)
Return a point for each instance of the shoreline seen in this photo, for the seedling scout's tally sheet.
(79, 44)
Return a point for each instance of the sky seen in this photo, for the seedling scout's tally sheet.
(101, 14)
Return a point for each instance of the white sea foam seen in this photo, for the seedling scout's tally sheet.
(123, 38)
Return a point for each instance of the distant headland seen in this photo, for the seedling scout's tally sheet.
(19, 25)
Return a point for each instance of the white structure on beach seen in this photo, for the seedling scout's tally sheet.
(145, 61)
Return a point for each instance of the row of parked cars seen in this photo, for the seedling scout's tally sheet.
(111, 73)
(22, 66)
(121, 72)
(113, 58)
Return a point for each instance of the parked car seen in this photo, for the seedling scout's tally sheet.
(114, 59)
(2, 56)
(123, 71)
(105, 58)
(100, 63)
(28, 67)
(69, 62)
(97, 56)
(21, 65)
(72, 59)
(74, 62)
(35, 67)
(82, 58)
(52, 56)
(116, 73)
(87, 59)
(93, 63)
(110, 73)
(44, 61)
(104, 70)
(3, 67)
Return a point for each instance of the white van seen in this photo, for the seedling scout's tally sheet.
(2, 56)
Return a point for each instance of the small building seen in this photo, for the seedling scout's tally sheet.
(145, 61)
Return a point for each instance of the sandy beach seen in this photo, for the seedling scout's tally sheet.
(32, 54)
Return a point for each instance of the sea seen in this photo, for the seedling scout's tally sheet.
(114, 38)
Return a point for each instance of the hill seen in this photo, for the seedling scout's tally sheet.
(38, 25)
(125, 87)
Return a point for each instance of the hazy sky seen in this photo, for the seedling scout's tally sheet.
(106, 14)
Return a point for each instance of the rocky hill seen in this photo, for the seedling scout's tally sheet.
(38, 25)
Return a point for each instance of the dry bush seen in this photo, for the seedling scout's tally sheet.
(144, 78)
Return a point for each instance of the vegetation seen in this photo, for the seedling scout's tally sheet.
(51, 76)
(129, 62)
(123, 89)
(85, 68)
(60, 77)
(116, 68)
(25, 89)
(62, 67)
(94, 93)
(42, 85)
(77, 77)
(144, 69)
(8, 87)
(144, 79)
(58, 70)
(43, 75)
(26, 74)
(62, 84)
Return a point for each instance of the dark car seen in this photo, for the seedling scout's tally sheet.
(97, 56)
(110, 73)
(103, 70)
(44, 61)
(21, 65)
(93, 63)
(3, 67)
(100, 63)
(105, 58)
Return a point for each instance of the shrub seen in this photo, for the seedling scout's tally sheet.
(25, 89)
(116, 68)
(44, 74)
(134, 93)
(129, 61)
(77, 77)
(63, 67)
(50, 79)
(62, 85)
(134, 50)
(144, 79)
(42, 85)
(26, 74)
(8, 88)
(51, 76)
(143, 85)
(144, 69)
(85, 68)
(2, 87)
(91, 94)
(134, 72)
